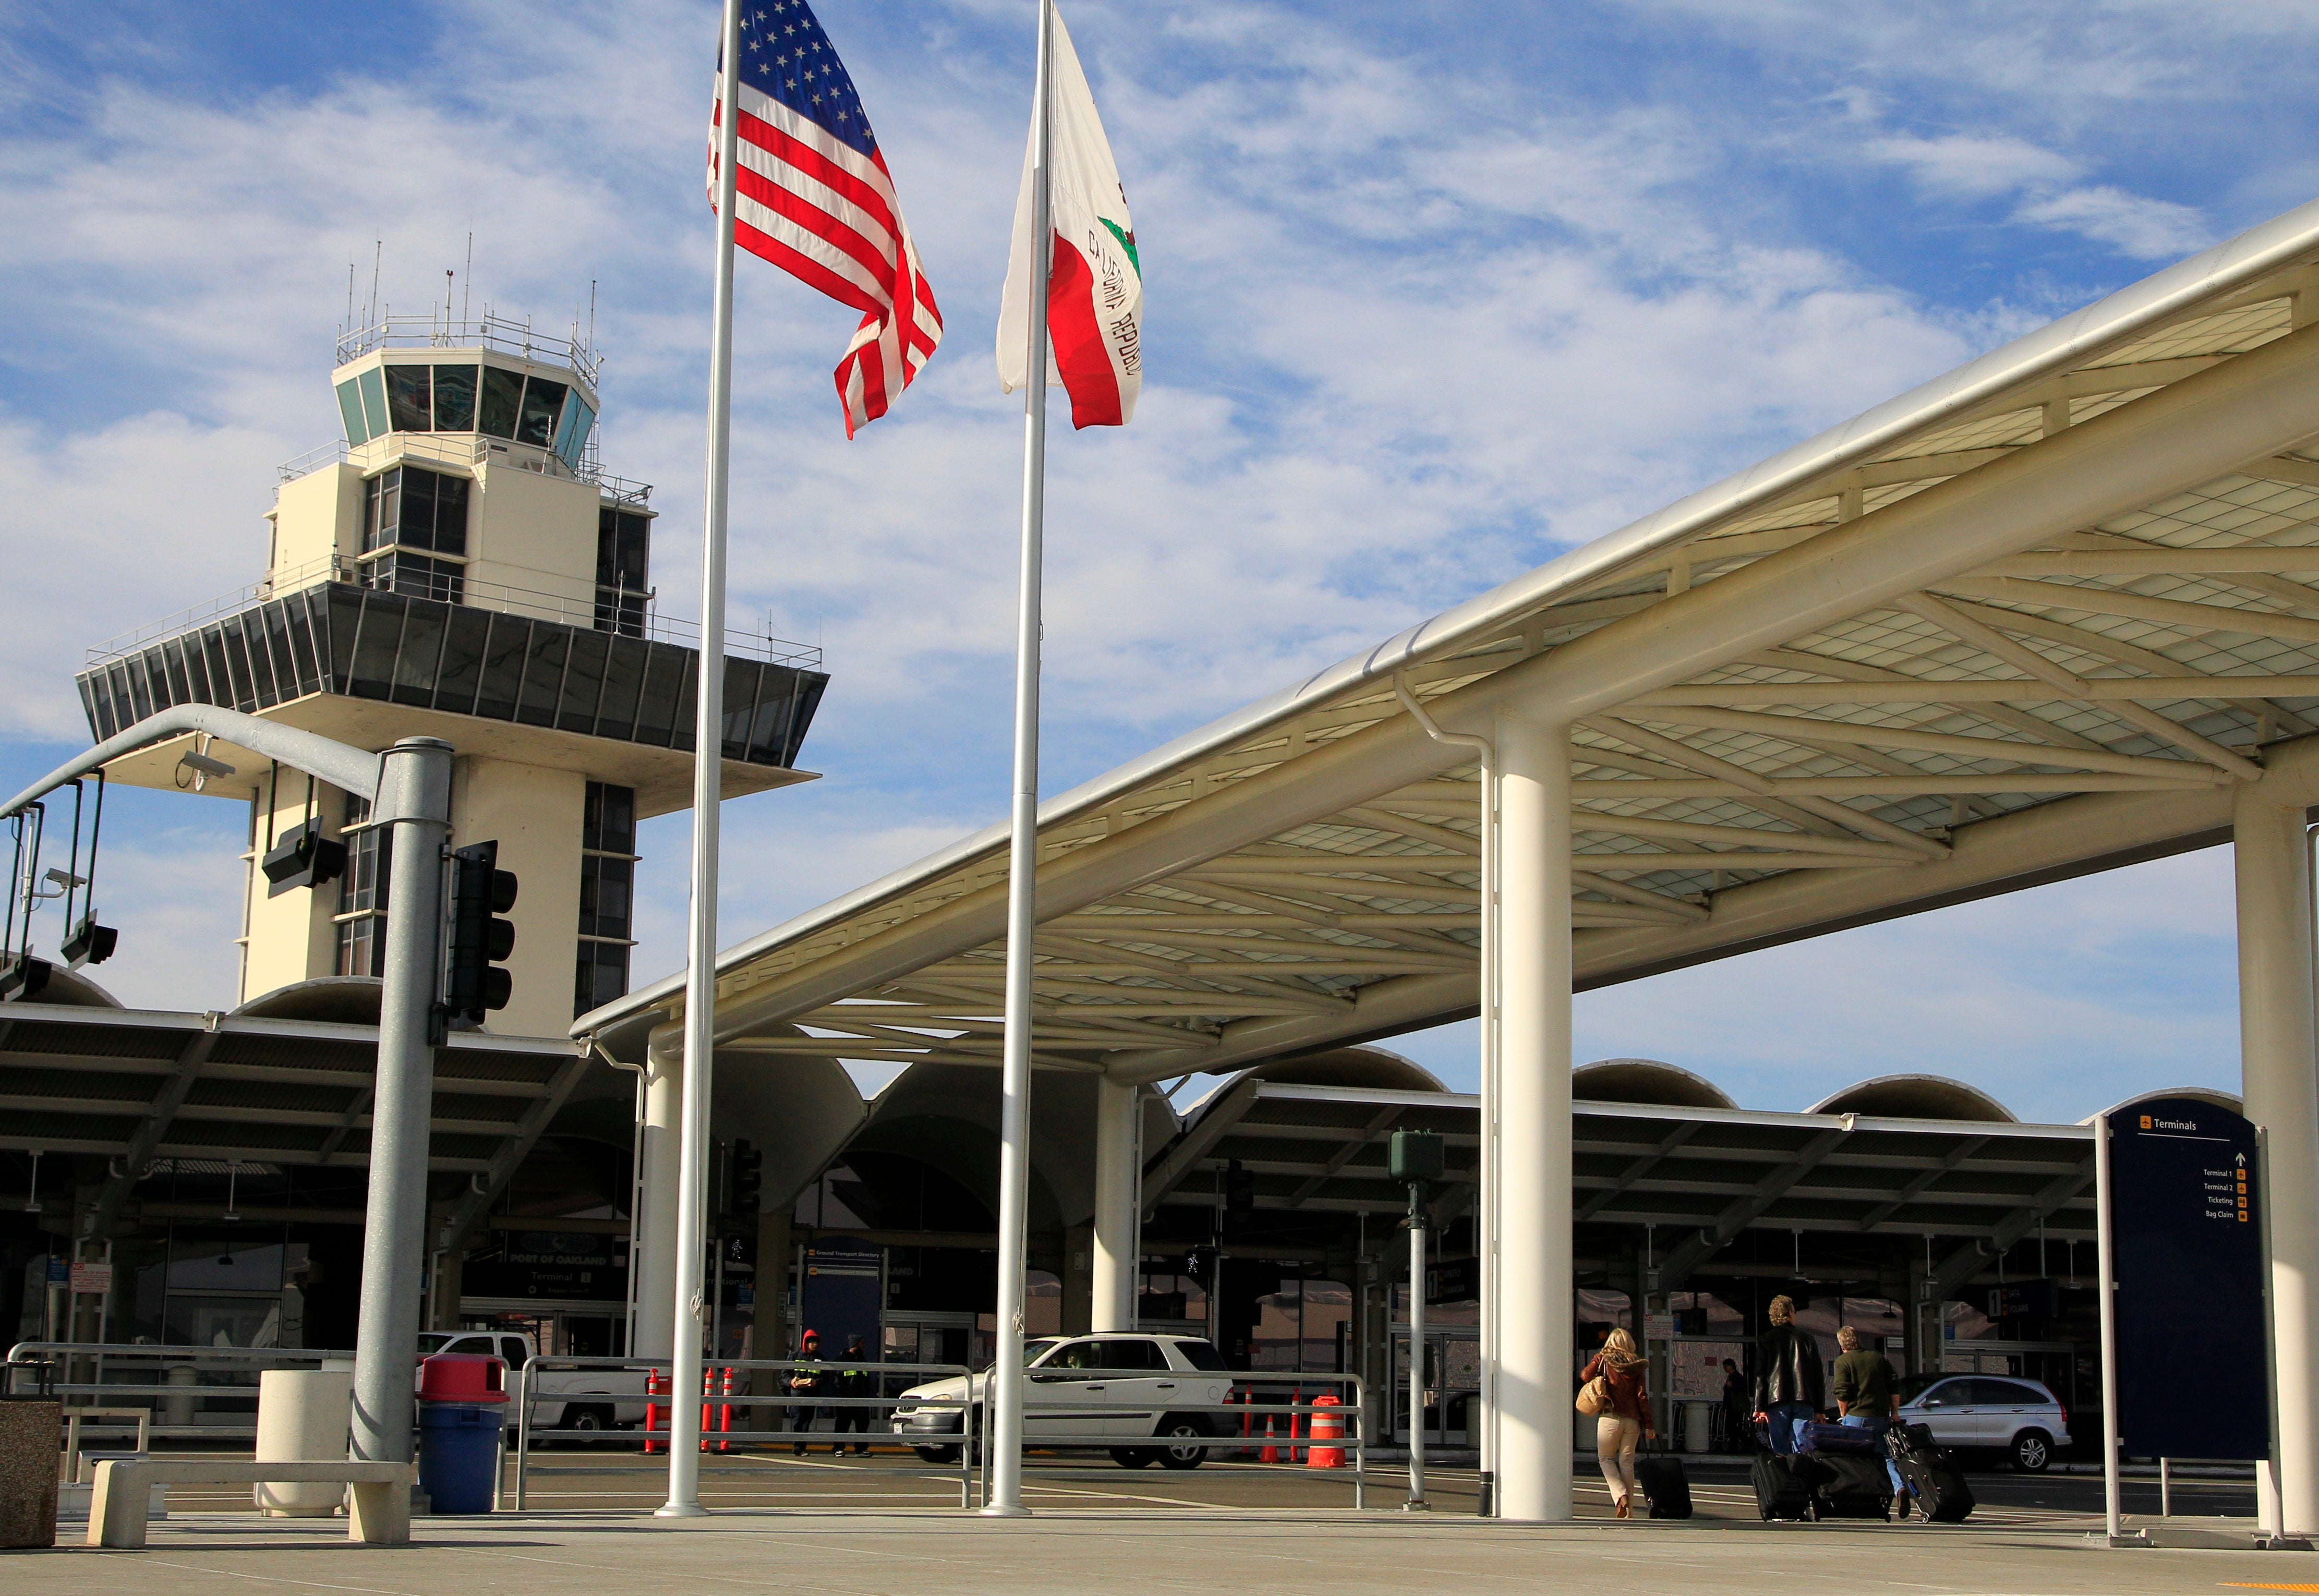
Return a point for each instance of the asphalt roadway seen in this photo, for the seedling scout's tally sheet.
(890, 1526)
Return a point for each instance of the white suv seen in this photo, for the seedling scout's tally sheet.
(1105, 1385)
(1991, 1413)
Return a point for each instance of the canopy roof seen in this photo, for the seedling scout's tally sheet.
(2035, 617)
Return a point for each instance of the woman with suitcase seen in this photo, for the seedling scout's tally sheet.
(1613, 1386)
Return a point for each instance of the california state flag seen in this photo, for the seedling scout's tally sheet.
(1094, 299)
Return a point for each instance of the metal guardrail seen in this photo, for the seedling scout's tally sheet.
(528, 1396)
(501, 334)
(89, 1376)
(1292, 1415)
(579, 609)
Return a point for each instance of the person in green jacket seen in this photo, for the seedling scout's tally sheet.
(1864, 1385)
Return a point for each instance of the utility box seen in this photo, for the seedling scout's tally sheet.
(1415, 1155)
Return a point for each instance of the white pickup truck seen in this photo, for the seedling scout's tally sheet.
(561, 1399)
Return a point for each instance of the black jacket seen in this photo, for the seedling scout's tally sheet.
(1788, 1369)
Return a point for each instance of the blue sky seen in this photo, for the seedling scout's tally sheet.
(1431, 293)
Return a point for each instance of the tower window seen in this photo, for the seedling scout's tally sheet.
(415, 509)
(608, 873)
(623, 560)
(362, 896)
(398, 572)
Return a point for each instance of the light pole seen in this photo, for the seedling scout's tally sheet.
(1415, 1161)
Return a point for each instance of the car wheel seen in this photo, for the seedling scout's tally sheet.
(1181, 1455)
(595, 1421)
(1134, 1456)
(2032, 1449)
(943, 1455)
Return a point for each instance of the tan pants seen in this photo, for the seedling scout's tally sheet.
(1615, 1439)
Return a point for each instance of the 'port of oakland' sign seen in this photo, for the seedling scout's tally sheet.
(2187, 1231)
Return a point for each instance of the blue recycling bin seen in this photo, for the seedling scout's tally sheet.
(459, 1456)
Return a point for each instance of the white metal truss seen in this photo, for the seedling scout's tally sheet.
(2162, 654)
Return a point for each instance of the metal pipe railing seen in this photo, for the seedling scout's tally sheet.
(154, 1391)
(974, 1465)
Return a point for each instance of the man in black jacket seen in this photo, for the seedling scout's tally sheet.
(1789, 1386)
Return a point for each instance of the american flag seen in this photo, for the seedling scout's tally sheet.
(816, 199)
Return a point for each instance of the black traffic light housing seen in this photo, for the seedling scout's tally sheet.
(481, 891)
(89, 943)
(24, 976)
(748, 1177)
(1240, 1192)
(303, 857)
(1200, 1267)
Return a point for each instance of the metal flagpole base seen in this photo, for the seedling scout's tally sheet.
(680, 1510)
(996, 1511)
(1416, 1507)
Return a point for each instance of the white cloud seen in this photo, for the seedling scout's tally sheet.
(1973, 168)
(2134, 224)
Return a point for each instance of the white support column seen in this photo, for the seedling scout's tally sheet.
(1534, 1313)
(659, 1190)
(1116, 1179)
(2279, 1065)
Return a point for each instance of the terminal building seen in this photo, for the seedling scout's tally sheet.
(2045, 616)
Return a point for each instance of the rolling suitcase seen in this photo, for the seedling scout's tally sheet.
(1930, 1474)
(1815, 1438)
(1783, 1486)
(1665, 1485)
(1848, 1486)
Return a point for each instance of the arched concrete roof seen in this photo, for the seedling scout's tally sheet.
(2213, 1095)
(1646, 1080)
(1351, 1066)
(73, 989)
(346, 1000)
(1916, 1097)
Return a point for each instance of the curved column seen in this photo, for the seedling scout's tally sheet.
(2279, 1065)
(1534, 1311)
(1113, 1285)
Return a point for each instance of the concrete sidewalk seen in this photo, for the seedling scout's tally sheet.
(933, 1554)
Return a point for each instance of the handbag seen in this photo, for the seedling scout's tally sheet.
(1594, 1397)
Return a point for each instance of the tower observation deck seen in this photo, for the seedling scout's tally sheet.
(459, 567)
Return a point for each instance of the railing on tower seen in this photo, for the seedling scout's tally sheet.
(499, 334)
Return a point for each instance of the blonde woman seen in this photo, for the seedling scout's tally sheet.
(1625, 1421)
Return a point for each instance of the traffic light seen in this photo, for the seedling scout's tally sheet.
(480, 892)
(1414, 1157)
(1239, 1192)
(23, 976)
(1200, 1267)
(304, 857)
(748, 1177)
(89, 943)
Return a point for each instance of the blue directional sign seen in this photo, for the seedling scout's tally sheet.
(2187, 1231)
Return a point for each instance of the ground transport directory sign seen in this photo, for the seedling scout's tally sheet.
(2187, 1229)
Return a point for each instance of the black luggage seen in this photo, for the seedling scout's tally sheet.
(1815, 1438)
(1930, 1474)
(1850, 1487)
(1783, 1486)
(1665, 1485)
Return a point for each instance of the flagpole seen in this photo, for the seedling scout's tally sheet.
(707, 793)
(1006, 1381)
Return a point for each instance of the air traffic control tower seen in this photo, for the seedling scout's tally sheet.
(459, 567)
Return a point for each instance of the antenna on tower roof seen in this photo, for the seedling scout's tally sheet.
(377, 252)
(591, 317)
(466, 299)
(345, 328)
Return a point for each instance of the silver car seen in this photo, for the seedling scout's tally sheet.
(1991, 1413)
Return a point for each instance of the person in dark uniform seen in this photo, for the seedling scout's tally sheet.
(854, 1381)
(806, 1383)
(1738, 1408)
